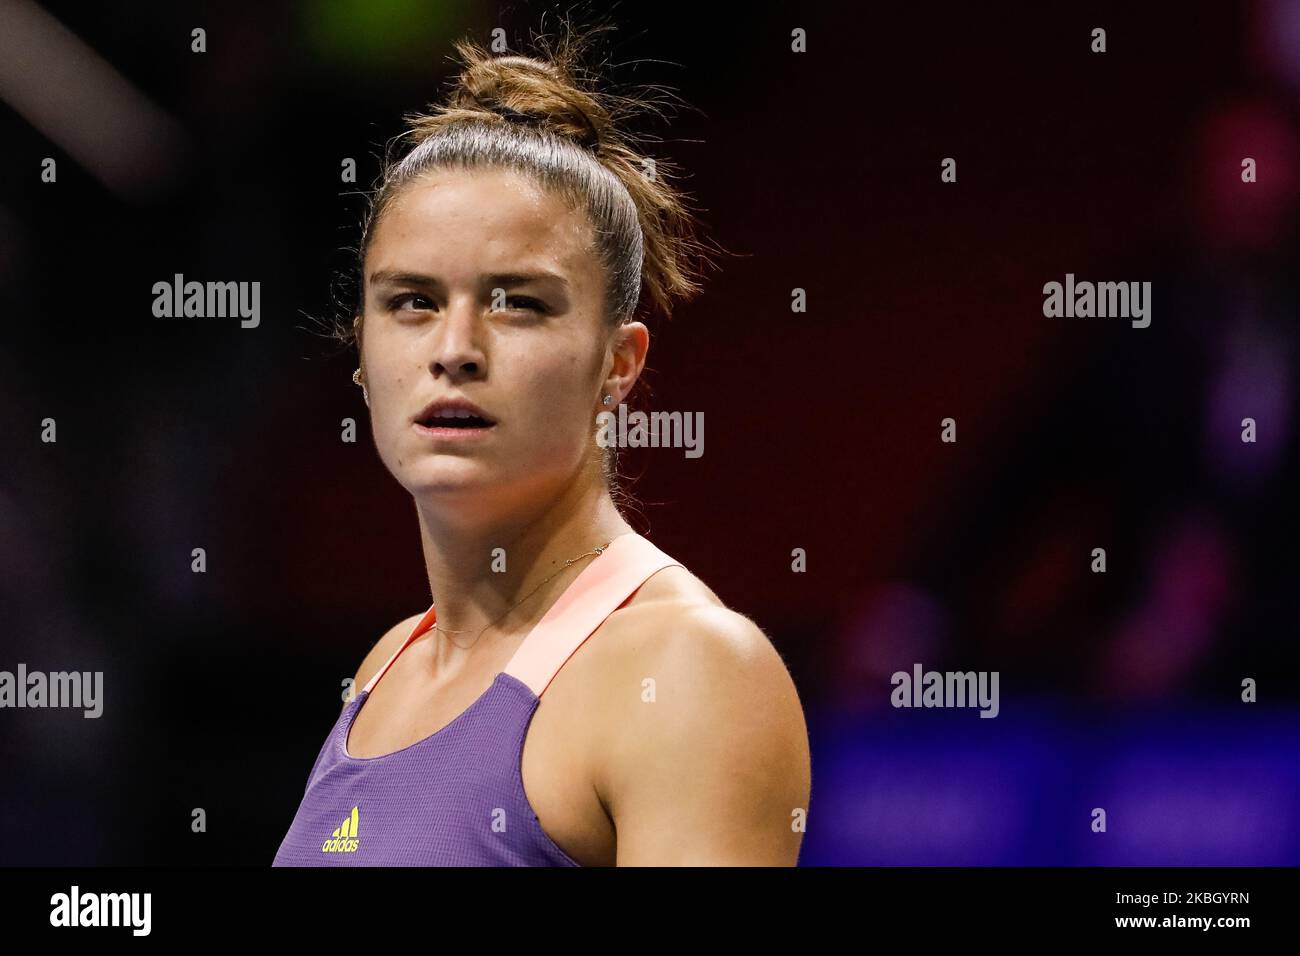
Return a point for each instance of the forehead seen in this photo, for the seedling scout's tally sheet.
(482, 220)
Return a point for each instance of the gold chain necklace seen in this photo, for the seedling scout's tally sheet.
(436, 627)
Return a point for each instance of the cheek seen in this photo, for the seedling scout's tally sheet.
(557, 392)
(398, 366)
(392, 375)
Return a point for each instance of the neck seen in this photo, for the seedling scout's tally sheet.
(535, 539)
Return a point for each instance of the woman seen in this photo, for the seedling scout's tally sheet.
(579, 697)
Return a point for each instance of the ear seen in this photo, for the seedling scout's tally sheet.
(628, 350)
(356, 338)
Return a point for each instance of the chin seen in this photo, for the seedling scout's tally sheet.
(448, 478)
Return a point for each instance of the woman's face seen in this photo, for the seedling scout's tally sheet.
(479, 285)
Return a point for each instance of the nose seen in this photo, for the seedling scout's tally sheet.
(458, 353)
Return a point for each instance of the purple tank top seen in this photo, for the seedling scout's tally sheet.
(456, 798)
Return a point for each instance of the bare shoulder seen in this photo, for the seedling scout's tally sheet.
(701, 720)
(383, 649)
(676, 622)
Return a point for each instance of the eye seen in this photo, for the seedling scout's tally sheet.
(395, 303)
(525, 302)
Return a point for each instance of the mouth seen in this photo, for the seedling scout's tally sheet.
(453, 419)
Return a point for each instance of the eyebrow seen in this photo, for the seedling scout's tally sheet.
(492, 281)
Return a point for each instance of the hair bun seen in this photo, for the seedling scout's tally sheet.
(529, 91)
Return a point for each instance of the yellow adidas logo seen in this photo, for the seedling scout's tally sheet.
(345, 837)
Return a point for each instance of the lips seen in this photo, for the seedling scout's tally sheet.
(456, 413)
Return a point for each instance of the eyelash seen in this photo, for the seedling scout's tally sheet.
(397, 301)
(405, 297)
